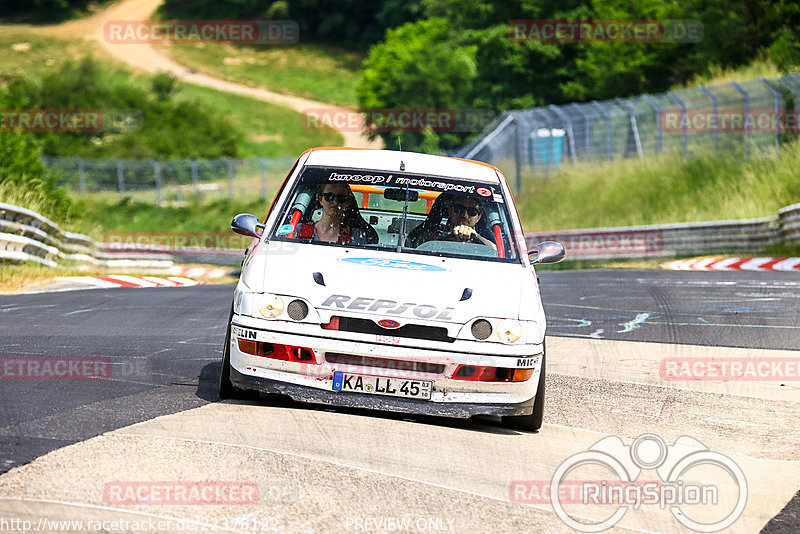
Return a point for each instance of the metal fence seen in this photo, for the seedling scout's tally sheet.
(540, 139)
(171, 181)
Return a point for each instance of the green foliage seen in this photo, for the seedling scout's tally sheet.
(344, 23)
(164, 85)
(666, 189)
(511, 73)
(156, 125)
(42, 10)
(25, 182)
(101, 217)
(418, 66)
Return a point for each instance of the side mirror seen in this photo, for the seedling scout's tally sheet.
(246, 224)
(547, 252)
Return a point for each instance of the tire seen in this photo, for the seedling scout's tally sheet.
(226, 388)
(533, 421)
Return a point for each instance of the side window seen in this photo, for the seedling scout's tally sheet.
(280, 191)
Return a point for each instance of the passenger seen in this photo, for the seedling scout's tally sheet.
(463, 214)
(341, 221)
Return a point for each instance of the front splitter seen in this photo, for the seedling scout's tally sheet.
(377, 402)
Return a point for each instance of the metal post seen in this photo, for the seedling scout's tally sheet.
(715, 104)
(587, 133)
(659, 134)
(551, 159)
(746, 98)
(563, 116)
(486, 140)
(263, 177)
(229, 165)
(607, 115)
(195, 178)
(777, 110)
(81, 174)
(120, 179)
(634, 126)
(157, 175)
(683, 119)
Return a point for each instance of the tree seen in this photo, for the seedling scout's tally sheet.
(419, 66)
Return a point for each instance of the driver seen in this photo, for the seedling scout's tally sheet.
(463, 213)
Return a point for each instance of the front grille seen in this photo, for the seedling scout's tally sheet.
(385, 363)
(415, 331)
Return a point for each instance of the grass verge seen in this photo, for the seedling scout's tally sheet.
(267, 130)
(317, 72)
(661, 190)
(19, 278)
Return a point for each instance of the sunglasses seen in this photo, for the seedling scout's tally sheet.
(461, 208)
(329, 197)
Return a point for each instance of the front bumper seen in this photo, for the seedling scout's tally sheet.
(377, 402)
(307, 382)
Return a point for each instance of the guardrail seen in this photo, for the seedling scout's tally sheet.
(27, 236)
(679, 239)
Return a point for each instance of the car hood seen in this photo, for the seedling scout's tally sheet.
(423, 287)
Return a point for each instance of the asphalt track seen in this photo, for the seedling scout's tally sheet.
(322, 470)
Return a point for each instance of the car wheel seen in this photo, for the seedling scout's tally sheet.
(226, 388)
(534, 420)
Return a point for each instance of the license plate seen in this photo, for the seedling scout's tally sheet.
(377, 385)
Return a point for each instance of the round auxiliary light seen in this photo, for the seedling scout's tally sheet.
(481, 329)
(297, 310)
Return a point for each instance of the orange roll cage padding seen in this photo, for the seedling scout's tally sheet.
(367, 190)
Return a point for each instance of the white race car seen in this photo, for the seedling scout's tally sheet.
(395, 281)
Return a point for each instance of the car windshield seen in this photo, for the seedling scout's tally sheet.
(409, 213)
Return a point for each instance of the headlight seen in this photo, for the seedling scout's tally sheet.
(509, 331)
(270, 306)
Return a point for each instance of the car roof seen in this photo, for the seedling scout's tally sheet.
(415, 163)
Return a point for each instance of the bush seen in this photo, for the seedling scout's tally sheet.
(155, 122)
(24, 180)
(418, 66)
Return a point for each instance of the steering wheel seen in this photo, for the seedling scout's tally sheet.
(447, 235)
